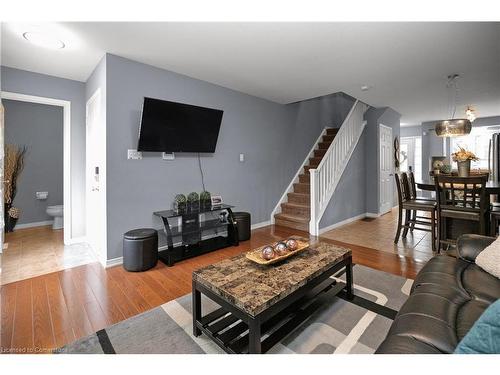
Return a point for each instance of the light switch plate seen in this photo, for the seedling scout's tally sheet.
(168, 156)
(242, 157)
(134, 154)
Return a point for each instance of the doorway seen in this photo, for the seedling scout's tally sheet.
(411, 156)
(41, 240)
(386, 190)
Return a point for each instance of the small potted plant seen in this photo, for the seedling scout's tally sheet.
(180, 203)
(205, 201)
(193, 201)
(463, 158)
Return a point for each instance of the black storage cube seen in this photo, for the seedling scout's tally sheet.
(140, 249)
(243, 222)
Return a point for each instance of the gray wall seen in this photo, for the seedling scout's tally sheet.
(258, 128)
(374, 117)
(23, 82)
(411, 131)
(40, 128)
(274, 138)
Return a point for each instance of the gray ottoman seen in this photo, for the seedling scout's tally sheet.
(140, 249)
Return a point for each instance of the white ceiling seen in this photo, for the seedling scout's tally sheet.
(406, 64)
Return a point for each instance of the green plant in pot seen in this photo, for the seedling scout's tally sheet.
(193, 201)
(205, 200)
(463, 158)
(180, 203)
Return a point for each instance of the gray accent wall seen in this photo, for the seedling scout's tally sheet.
(258, 128)
(28, 83)
(40, 128)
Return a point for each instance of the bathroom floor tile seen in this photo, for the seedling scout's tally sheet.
(38, 251)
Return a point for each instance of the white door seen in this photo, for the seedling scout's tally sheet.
(95, 198)
(386, 190)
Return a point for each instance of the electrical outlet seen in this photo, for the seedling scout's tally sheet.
(242, 158)
(134, 155)
(168, 156)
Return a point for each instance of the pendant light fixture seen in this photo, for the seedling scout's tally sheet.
(453, 127)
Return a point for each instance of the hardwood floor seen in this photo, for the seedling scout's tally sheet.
(48, 311)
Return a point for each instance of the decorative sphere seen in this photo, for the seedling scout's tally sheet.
(268, 253)
(281, 248)
(292, 244)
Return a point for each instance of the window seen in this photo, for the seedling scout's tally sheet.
(410, 155)
(478, 141)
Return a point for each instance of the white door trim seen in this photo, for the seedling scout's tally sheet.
(101, 252)
(382, 126)
(66, 104)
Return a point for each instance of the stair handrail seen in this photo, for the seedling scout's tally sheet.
(326, 176)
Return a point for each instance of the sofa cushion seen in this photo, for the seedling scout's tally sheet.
(447, 297)
(484, 336)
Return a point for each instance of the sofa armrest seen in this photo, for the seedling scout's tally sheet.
(470, 245)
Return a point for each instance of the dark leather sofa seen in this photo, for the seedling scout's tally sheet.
(448, 296)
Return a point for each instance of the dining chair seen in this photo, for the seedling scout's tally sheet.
(461, 198)
(410, 206)
(414, 195)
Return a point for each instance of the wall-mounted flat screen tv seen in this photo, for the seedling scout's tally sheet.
(177, 127)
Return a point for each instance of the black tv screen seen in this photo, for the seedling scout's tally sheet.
(177, 127)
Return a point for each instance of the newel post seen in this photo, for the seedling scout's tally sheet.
(313, 226)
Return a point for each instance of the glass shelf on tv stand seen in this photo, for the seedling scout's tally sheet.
(194, 232)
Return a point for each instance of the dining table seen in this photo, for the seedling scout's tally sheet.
(492, 187)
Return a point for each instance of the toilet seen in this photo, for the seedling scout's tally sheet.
(57, 212)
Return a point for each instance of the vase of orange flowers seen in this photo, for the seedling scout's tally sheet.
(463, 158)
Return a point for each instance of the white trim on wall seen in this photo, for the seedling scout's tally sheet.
(114, 262)
(68, 236)
(343, 222)
(260, 225)
(34, 224)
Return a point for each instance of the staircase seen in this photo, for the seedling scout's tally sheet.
(308, 195)
(296, 212)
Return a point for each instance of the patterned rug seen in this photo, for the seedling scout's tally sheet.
(337, 327)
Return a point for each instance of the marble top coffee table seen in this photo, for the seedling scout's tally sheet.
(257, 299)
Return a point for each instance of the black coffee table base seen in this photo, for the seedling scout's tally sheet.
(246, 331)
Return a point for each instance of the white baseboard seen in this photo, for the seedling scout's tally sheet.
(343, 222)
(372, 215)
(33, 225)
(114, 262)
(260, 225)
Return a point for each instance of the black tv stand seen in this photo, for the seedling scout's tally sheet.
(197, 232)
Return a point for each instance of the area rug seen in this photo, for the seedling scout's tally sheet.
(337, 327)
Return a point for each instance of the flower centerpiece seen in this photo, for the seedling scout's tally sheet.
(463, 158)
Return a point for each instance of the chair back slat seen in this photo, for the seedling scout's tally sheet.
(403, 188)
(412, 185)
(461, 193)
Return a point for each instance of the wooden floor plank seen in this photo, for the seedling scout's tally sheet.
(8, 301)
(43, 334)
(59, 313)
(79, 319)
(22, 335)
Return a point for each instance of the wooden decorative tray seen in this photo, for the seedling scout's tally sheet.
(255, 255)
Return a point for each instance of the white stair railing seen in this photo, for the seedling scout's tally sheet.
(326, 176)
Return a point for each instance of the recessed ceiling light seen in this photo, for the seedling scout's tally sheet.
(43, 40)
(365, 88)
